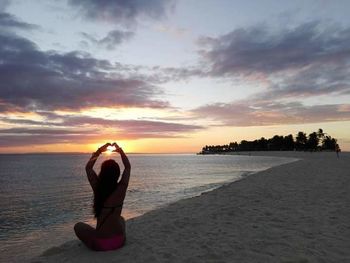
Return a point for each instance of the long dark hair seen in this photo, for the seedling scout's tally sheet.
(107, 183)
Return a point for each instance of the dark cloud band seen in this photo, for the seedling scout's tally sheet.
(8, 21)
(35, 80)
(263, 113)
(79, 129)
(121, 11)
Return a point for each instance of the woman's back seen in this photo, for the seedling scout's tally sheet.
(110, 222)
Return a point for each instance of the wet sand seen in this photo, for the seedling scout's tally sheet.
(297, 212)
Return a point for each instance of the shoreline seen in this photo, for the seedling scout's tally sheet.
(264, 217)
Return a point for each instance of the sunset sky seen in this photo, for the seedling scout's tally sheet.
(170, 76)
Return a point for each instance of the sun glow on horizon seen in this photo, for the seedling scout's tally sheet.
(126, 145)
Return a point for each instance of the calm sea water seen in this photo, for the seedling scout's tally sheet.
(42, 196)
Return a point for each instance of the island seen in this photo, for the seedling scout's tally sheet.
(315, 141)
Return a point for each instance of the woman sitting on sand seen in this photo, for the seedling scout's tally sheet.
(109, 196)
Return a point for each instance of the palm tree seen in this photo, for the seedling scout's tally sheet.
(320, 134)
(312, 141)
(300, 141)
(288, 143)
(329, 143)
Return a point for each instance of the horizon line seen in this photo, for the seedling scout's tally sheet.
(4, 153)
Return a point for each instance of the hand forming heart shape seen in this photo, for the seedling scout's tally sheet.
(111, 148)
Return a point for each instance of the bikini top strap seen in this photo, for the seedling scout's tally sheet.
(117, 206)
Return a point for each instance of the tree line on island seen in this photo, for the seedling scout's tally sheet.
(315, 141)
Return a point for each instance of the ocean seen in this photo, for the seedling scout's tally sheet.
(42, 196)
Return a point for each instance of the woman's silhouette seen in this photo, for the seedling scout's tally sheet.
(109, 196)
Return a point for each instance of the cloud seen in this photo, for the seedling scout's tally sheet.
(44, 139)
(166, 74)
(256, 49)
(311, 59)
(35, 80)
(315, 80)
(113, 39)
(308, 60)
(25, 136)
(262, 113)
(10, 21)
(134, 127)
(80, 129)
(121, 11)
(31, 131)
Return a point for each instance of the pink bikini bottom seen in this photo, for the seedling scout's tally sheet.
(108, 243)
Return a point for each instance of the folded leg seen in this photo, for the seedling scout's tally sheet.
(86, 234)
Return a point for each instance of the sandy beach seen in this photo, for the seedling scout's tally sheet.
(297, 212)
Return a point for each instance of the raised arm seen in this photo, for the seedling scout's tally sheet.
(92, 176)
(125, 159)
(126, 163)
(124, 181)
